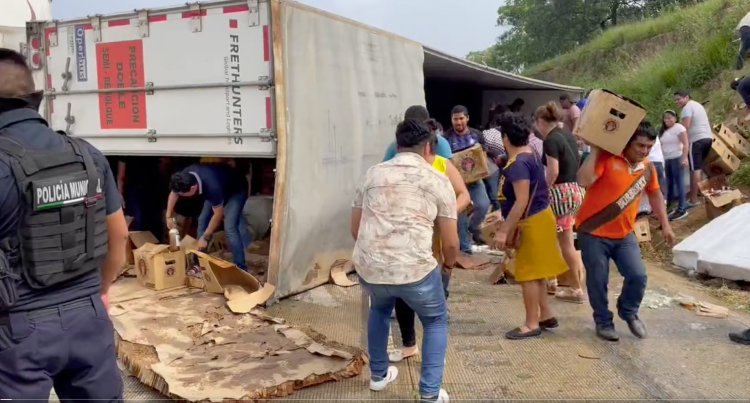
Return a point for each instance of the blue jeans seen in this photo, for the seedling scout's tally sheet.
(675, 182)
(596, 253)
(661, 177)
(235, 226)
(470, 226)
(492, 183)
(744, 46)
(427, 299)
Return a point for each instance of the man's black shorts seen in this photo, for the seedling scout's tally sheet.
(698, 153)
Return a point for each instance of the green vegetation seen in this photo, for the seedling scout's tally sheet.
(742, 176)
(688, 48)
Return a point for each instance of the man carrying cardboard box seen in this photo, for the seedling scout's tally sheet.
(700, 136)
(461, 137)
(605, 227)
(224, 192)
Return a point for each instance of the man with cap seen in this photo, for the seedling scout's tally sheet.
(62, 244)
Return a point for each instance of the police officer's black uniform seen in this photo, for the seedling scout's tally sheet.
(55, 194)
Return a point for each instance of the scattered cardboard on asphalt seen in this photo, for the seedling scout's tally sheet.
(339, 273)
(241, 301)
(471, 262)
(188, 346)
(702, 308)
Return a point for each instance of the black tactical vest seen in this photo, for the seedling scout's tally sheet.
(62, 232)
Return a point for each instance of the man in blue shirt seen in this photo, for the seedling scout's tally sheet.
(460, 137)
(54, 331)
(419, 112)
(224, 192)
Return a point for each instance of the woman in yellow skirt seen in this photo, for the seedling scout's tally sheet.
(529, 229)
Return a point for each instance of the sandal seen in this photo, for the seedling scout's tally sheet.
(518, 334)
(398, 355)
(571, 295)
(552, 286)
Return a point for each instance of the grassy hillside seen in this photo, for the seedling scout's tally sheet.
(689, 48)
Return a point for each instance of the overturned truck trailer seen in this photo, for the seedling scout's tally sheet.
(315, 94)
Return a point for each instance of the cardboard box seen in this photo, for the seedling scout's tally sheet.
(609, 120)
(736, 143)
(218, 274)
(491, 225)
(719, 198)
(471, 163)
(158, 268)
(721, 160)
(137, 239)
(642, 230)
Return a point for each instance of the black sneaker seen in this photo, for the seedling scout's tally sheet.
(678, 215)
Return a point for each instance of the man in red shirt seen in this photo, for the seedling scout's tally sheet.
(605, 227)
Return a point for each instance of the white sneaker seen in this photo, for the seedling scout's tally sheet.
(390, 376)
(442, 397)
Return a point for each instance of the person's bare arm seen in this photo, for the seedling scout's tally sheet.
(553, 170)
(117, 238)
(463, 198)
(356, 219)
(171, 202)
(686, 121)
(215, 221)
(448, 239)
(587, 172)
(685, 148)
(121, 167)
(521, 189)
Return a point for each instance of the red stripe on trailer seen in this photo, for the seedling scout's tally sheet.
(194, 13)
(269, 115)
(47, 33)
(233, 23)
(118, 23)
(236, 9)
(88, 27)
(49, 82)
(157, 18)
(266, 45)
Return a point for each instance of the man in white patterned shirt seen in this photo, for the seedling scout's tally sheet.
(394, 213)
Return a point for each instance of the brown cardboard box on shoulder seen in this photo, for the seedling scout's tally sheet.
(471, 163)
(609, 120)
(159, 268)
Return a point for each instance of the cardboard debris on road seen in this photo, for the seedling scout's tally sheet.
(471, 262)
(241, 301)
(702, 308)
(201, 352)
(339, 273)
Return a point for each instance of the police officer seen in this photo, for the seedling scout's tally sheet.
(62, 243)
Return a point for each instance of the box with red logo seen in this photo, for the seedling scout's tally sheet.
(159, 268)
(471, 163)
(609, 120)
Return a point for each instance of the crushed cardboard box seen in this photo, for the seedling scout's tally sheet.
(721, 160)
(736, 143)
(609, 120)
(201, 352)
(223, 277)
(158, 267)
(720, 198)
(471, 262)
(339, 272)
(702, 308)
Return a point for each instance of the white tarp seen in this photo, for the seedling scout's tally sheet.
(347, 87)
(719, 248)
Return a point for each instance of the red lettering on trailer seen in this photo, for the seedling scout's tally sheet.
(88, 27)
(157, 18)
(236, 9)
(49, 81)
(269, 114)
(233, 24)
(120, 65)
(47, 33)
(266, 45)
(194, 13)
(118, 23)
